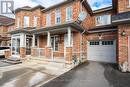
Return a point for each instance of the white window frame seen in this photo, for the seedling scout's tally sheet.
(103, 21)
(26, 21)
(35, 19)
(18, 22)
(57, 15)
(129, 3)
(48, 19)
(68, 18)
(54, 48)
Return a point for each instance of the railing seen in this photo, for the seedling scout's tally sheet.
(39, 52)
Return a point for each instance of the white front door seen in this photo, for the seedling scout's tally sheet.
(16, 46)
(104, 51)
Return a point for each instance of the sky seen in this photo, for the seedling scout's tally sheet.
(95, 4)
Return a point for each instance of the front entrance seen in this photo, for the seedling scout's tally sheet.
(16, 46)
(28, 44)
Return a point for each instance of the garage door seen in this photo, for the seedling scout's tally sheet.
(104, 51)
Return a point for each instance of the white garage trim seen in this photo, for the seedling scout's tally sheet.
(104, 51)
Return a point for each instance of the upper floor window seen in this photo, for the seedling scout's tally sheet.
(48, 19)
(35, 21)
(103, 20)
(18, 22)
(69, 13)
(26, 21)
(58, 16)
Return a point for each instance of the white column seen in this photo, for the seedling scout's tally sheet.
(48, 39)
(22, 40)
(33, 41)
(69, 37)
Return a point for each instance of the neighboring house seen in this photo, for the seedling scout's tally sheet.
(56, 33)
(6, 24)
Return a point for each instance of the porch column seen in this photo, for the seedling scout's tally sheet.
(69, 48)
(48, 39)
(48, 50)
(33, 46)
(33, 41)
(69, 37)
(22, 45)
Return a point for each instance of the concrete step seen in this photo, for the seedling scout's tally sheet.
(12, 61)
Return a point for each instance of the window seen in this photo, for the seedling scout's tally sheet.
(35, 21)
(54, 43)
(18, 22)
(58, 16)
(69, 13)
(26, 21)
(129, 2)
(94, 43)
(103, 20)
(107, 42)
(48, 19)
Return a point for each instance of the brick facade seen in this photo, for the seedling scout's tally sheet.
(79, 41)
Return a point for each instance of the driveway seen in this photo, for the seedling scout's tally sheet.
(2, 64)
(92, 74)
(30, 73)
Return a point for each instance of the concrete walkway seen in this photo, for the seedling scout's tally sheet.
(92, 74)
(30, 73)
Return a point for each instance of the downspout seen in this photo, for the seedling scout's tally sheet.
(81, 44)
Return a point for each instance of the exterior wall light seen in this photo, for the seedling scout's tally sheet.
(123, 33)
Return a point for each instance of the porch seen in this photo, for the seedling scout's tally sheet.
(65, 43)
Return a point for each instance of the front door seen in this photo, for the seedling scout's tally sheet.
(28, 44)
(15, 46)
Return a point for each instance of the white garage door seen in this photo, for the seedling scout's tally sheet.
(104, 51)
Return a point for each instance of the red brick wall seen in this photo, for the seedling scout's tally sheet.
(75, 5)
(123, 42)
(31, 15)
(123, 6)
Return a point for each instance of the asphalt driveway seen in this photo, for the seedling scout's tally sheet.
(92, 74)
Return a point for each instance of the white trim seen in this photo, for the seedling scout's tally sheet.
(54, 36)
(120, 20)
(26, 21)
(101, 20)
(33, 40)
(48, 19)
(35, 21)
(48, 39)
(58, 15)
(68, 20)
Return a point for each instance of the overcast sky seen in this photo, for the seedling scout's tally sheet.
(95, 4)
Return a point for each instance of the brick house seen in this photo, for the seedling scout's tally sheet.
(6, 25)
(56, 33)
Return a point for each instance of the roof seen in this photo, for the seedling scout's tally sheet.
(59, 4)
(6, 20)
(105, 28)
(33, 30)
(28, 8)
(121, 18)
